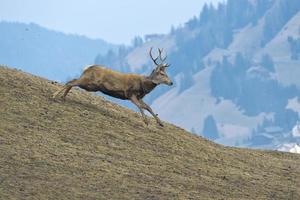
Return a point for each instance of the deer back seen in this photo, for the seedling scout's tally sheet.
(113, 83)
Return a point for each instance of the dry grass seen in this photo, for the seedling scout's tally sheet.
(89, 148)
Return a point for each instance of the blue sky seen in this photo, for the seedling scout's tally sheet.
(116, 21)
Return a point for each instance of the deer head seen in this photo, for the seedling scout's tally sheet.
(159, 75)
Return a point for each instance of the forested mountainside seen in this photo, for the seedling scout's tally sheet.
(236, 68)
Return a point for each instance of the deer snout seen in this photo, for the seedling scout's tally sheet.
(169, 82)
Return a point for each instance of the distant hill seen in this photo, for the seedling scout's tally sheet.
(45, 52)
(89, 148)
(237, 64)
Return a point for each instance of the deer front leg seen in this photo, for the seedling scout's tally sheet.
(145, 106)
(136, 102)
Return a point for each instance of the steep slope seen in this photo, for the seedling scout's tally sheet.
(287, 68)
(89, 148)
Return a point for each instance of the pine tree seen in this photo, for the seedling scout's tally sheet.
(210, 129)
(204, 15)
(267, 62)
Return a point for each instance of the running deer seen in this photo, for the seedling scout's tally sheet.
(131, 87)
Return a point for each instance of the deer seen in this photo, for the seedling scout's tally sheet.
(133, 87)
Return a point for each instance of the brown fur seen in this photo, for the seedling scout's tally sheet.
(131, 87)
(113, 83)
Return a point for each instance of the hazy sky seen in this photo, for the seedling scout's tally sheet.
(116, 21)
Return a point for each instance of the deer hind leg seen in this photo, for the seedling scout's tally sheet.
(55, 94)
(66, 88)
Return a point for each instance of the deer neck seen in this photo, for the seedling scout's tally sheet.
(148, 85)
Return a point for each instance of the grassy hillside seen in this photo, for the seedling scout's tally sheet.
(88, 148)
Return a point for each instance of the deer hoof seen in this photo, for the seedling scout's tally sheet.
(146, 122)
(161, 124)
(63, 99)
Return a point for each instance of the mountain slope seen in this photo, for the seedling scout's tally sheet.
(237, 63)
(47, 53)
(89, 148)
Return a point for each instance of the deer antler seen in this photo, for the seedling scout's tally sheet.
(154, 60)
(160, 57)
